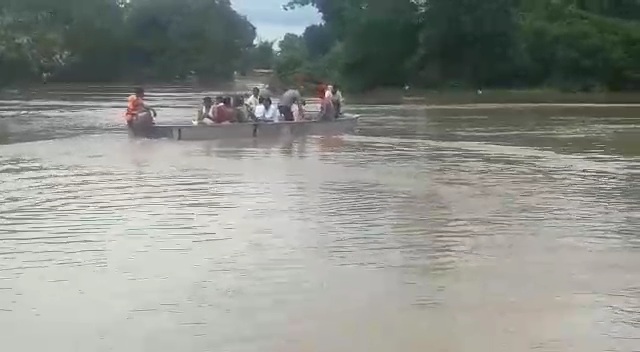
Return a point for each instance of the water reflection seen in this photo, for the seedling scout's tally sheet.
(430, 230)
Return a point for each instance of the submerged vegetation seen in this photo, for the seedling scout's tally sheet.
(572, 45)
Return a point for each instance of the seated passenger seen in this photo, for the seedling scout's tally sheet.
(224, 113)
(241, 110)
(205, 112)
(267, 112)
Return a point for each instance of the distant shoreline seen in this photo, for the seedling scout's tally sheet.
(515, 97)
(525, 98)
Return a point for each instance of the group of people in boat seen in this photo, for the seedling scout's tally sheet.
(261, 108)
(255, 107)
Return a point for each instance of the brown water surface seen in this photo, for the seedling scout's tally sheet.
(469, 229)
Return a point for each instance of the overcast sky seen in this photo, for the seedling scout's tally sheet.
(271, 21)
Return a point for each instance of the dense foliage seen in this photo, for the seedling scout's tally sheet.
(103, 40)
(568, 44)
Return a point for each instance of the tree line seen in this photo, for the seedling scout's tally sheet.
(572, 45)
(123, 40)
(576, 45)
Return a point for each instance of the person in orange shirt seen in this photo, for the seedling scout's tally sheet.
(137, 111)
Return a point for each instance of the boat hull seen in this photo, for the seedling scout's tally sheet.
(247, 130)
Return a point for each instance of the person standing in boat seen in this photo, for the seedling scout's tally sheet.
(267, 112)
(328, 93)
(321, 91)
(288, 99)
(299, 112)
(327, 110)
(138, 112)
(337, 100)
(253, 101)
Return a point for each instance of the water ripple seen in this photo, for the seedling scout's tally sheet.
(417, 231)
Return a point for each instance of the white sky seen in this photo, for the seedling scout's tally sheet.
(271, 21)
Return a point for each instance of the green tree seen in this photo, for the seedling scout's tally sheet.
(318, 40)
(96, 45)
(467, 41)
(264, 55)
(101, 40)
(568, 44)
(576, 50)
(292, 57)
(362, 44)
(376, 39)
(378, 46)
(179, 38)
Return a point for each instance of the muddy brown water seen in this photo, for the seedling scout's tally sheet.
(468, 228)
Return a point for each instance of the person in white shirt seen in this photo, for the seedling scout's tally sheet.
(267, 112)
(253, 101)
(205, 112)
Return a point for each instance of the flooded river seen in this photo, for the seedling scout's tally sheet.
(434, 229)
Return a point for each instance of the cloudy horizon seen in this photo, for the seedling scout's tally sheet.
(271, 21)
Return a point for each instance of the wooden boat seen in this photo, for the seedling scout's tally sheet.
(344, 125)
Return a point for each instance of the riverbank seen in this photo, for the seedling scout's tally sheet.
(487, 99)
(424, 97)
